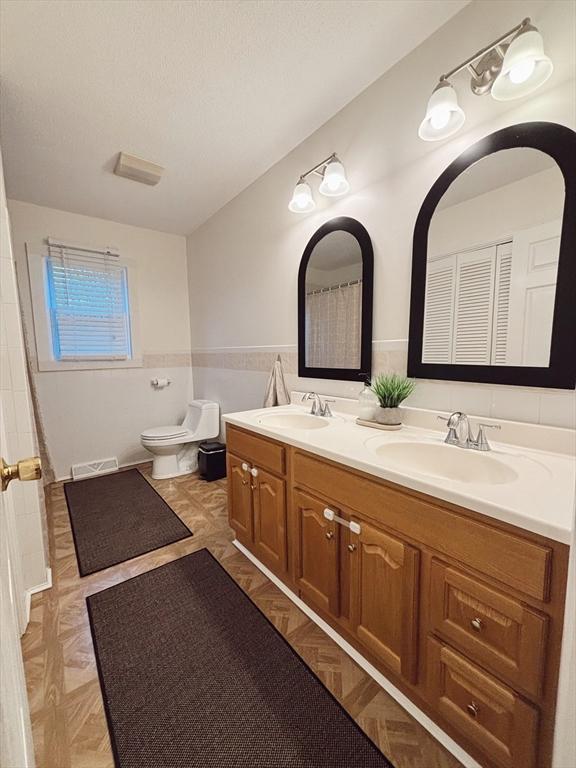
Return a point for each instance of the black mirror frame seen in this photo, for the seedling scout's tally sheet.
(559, 142)
(357, 230)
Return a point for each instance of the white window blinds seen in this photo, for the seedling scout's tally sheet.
(88, 305)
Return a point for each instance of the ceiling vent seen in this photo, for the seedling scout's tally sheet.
(137, 169)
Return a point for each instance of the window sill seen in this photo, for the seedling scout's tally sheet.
(87, 365)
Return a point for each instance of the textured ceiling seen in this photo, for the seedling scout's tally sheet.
(216, 92)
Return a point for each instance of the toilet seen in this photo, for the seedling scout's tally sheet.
(175, 447)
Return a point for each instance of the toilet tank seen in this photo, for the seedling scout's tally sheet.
(203, 419)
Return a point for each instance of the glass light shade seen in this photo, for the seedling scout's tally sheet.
(302, 200)
(334, 182)
(443, 115)
(525, 67)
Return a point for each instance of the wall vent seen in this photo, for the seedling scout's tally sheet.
(93, 468)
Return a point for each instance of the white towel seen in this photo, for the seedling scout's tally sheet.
(276, 391)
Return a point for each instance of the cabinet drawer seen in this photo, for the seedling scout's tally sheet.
(492, 628)
(510, 559)
(257, 450)
(487, 713)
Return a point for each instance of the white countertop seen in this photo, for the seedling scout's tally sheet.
(539, 499)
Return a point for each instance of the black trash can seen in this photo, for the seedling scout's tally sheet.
(212, 460)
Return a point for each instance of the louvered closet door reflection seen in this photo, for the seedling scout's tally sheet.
(439, 310)
(474, 303)
(500, 343)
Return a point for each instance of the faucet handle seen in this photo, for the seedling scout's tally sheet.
(326, 408)
(481, 444)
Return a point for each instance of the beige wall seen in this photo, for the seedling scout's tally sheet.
(243, 262)
(100, 413)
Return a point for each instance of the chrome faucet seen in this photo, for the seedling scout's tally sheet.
(318, 408)
(460, 432)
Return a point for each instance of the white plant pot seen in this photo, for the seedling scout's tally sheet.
(392, 417)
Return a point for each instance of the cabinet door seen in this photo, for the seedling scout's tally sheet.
(240, 499)
(269, 494)
(487, 713)
(384, 597)
(316, 553)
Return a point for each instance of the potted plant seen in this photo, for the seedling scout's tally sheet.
(391, 389)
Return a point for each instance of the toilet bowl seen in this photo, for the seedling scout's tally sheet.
(175, 447)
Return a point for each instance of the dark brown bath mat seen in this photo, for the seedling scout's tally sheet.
(193, 675)
(116, 517)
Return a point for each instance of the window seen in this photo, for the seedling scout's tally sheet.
(83, 303)
(88, 305)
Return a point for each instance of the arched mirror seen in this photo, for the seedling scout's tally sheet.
(335, 284)
(493, 271)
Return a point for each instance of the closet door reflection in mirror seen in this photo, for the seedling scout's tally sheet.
(335, 302)
(492, 262)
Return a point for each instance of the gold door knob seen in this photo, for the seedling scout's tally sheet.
(329, 535)
(27, 469)
(352, 547)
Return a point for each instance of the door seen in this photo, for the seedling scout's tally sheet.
(535, 254)
(240, 499)
(269, 498)
(16, 747)
(384, 597)
(316, 553)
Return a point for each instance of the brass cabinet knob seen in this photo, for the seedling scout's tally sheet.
(472, 709)
(329, 535)
(351, 547)
(27, 469)
(477, 624)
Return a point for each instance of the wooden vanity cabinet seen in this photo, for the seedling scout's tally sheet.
(316, 553)
(257, 505)
(461, 612)
(240, 513)
(384, 597)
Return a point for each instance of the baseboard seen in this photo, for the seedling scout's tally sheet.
(371, 670)
(131, 465)
(38, 588)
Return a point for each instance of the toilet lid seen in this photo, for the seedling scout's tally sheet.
(160, 433)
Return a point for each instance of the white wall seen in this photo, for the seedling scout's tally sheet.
(497, 214)
(96, 414)
(21, 442)
(243, 262)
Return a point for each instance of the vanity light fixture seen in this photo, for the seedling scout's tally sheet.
(443, 114)
(512, 66)
(302, 200)
(334, 184)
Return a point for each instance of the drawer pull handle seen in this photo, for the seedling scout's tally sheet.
(472, 709)
(352, 547)
(329, 535)
(477, 624)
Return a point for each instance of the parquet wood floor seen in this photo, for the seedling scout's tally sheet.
(68, 721)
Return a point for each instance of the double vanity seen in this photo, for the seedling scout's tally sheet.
(440, 563)
(444, 568)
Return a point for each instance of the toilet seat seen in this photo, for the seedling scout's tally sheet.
(164, 433)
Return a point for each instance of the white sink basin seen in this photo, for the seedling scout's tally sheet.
(294, 421)
(445, 461)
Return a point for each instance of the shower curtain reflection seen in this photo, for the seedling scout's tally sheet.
(333, 325)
